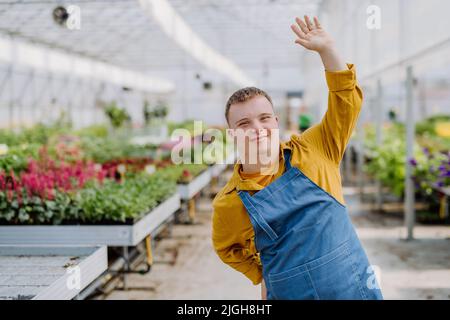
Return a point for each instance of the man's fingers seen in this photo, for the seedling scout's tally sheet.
(298, 32)
(309, 23)
(302, 25)
(302, 42)
(317, 23)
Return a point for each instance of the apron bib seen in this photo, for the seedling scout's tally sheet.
(307, 244)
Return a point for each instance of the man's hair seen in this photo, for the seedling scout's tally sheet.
(243, 95)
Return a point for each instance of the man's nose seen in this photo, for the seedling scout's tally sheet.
(258, 126)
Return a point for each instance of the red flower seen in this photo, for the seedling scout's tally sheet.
(2, 182)
(9, 195)
(186, 173)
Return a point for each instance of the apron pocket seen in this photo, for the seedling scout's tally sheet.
(296, 286)
(336, 276)
(330, 277)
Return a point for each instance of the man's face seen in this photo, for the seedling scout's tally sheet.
(255, 126)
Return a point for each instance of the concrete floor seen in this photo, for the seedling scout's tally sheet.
(418, 269)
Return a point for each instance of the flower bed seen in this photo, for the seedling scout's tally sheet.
(59, 193)
(84, 180)
(431, 163)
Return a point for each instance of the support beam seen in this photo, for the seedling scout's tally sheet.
(410, 137)
(177, 29)
(56, 61)
(379, 114)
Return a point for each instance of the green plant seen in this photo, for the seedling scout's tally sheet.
(387, 164)
(387, 161)
(17, 157)
(96, 131)
(38, 134)
(124, 202)
(429, 124)
(107, 202)
(35, 210)
(117, 116)
(184, 173)
(161, 110)
(102, 150)
(148, 114)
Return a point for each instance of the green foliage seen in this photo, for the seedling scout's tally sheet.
(17, 157)
(34, 210)
(160, 111)
(387, 161)
(96, 203)
(110, 202)
(428, 126)
(189, 171)
(102, 150)
(122, 202)
(38, 134)
(117, 116)
(94, 131)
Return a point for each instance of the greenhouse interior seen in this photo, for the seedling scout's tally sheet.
(224, 150)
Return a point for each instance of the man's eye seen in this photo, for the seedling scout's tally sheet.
(265, 118)
(242, 124)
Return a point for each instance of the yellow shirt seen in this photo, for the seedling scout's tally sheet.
(317, 152)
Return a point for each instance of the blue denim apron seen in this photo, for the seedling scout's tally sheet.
(306, 241)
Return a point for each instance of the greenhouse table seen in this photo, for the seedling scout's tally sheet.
(110, 235)
(188, 191)
(49, 272)
(444, 211)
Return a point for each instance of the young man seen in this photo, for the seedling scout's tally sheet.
(288, 228)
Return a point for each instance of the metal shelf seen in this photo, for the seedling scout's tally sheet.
(42, 272)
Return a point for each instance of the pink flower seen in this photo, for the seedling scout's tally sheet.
(2, 182)
(50, 194)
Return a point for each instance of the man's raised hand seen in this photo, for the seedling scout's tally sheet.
(311, 35)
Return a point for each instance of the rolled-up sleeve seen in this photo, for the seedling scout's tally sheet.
(331, 135)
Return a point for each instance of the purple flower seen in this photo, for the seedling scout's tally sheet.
(413, 162)
(444, 174)
(439, 184)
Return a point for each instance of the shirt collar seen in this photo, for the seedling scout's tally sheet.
(238, 183)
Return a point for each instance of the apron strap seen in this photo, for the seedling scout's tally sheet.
(287, 159)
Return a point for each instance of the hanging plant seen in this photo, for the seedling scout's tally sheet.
(117, 116)
(148, 113)
(161, 111)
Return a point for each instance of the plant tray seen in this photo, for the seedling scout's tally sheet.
(110, 235)
(50, 272)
